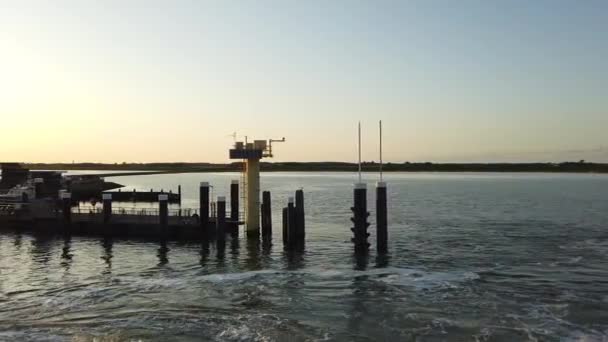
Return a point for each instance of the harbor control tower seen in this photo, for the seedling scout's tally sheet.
(251, 154)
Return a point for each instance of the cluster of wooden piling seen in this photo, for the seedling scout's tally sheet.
(360, 219)
(219, 229)
(293, 217)
(294, 230)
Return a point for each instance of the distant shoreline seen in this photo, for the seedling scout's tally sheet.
(565, 167)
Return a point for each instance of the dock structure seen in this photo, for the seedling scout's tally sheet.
(64, 215)
(127, 223)
(27, 206)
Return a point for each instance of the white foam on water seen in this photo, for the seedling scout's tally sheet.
(425, 280)
(240, 333)
(229, 277)
(593, 336)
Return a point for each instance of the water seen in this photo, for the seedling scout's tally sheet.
(473, 257)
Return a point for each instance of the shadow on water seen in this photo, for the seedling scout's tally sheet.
(107, 244)
(41, 248)
(163, 250)
(18, 240)
(266, 246)
(294, 259)
(361, 261)
(359, 311)
(253, 261)
(204, 252)
(66, 253)
(234, 250)
(382, 260)
(221, 252)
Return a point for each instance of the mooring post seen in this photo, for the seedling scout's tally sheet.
(163, 213)
(38, 183)
(66, 199)
(107, 207)
(220, 220)
(299, 213)
(204, 208)
(179, 194)
(285, 226)
(266, 215)
(381, 221)
(360, 215)
(234, 206)
(292, 234)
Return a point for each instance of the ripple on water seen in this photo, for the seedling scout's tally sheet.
(472, 257)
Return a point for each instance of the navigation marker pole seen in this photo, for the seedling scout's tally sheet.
(380, 126)
(359, 210)
(381, 208)
(359, 151)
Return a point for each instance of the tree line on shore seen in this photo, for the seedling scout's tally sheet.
(580, 166)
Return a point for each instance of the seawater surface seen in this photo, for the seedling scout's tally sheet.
(473, 257)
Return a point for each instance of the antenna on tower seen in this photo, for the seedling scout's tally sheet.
(359, 151)
(380, 126)
(233, 135)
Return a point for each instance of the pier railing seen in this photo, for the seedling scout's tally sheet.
(187, 212)
(145, 214)
(148, 212)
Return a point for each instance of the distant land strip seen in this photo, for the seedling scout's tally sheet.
(159, 168)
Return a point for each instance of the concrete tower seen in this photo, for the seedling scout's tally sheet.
(251, 154)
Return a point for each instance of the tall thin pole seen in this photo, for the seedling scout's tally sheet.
(359, 151)
(381, 150)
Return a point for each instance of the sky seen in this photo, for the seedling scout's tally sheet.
(453, 81)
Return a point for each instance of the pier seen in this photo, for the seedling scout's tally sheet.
(31, 207)
(177, 223)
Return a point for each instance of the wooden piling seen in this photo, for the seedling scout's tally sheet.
(266, 215)
(292, 234)
(285, 226)
(220, 220)
(359, 219)
(299, 217)
(38, 184)
(66, 200)
(381, 220)
(204, 208)
(107, 207)
(234, 206)
(163, 214)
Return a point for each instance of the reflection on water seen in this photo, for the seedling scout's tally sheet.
(204, 252)
(382, 260)
(107, 244)
(66, 255)
(162, 254)
(507, 258)
(17, 240)
(41, 248)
